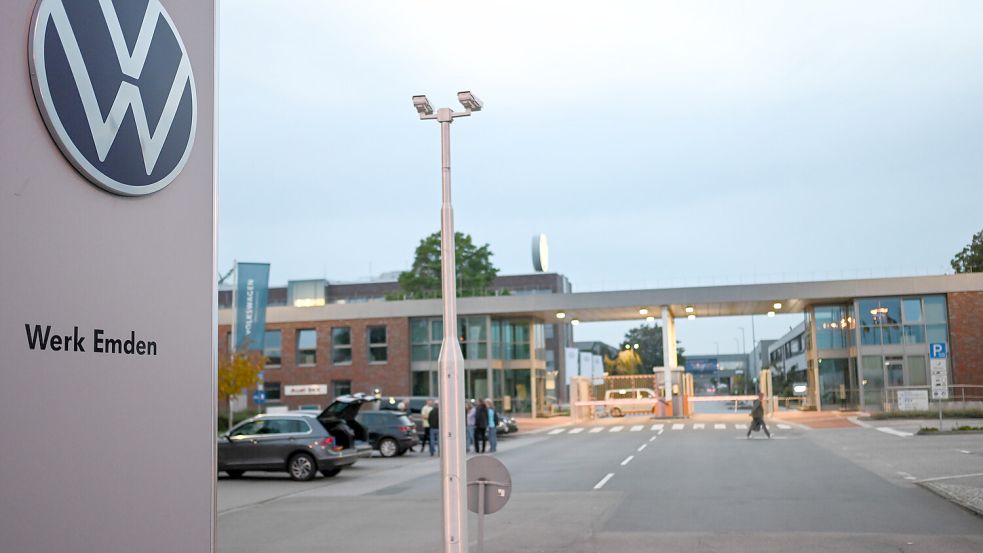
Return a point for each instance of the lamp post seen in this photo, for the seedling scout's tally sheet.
(450, 363)
(747, 359)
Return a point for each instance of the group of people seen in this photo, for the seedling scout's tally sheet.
(481, 422)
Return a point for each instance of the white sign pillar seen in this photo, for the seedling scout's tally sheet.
(107, 264)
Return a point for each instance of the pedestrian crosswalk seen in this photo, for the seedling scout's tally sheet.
(657, 428)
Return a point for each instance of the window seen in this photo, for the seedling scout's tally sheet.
(473, 336)
(895, 370)
(914, 334)
(306, 346)
(378, 352)
(271, 348)
(341, 387)
(272, 390)
(341, 345)
(915, 367)
(248, 429)
(284, 426)
(912, 309)
(935, 309)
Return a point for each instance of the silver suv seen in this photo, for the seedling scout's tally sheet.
(298, 444)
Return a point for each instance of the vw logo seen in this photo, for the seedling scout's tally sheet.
(114, 85)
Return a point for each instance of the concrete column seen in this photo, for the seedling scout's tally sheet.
(812, 354)
(668, 338)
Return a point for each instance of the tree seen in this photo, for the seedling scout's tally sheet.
(970, 260)
(649, 340)
(627, 362)
(237, 372)
(475, 272)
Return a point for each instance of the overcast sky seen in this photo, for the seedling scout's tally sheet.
(656, 144)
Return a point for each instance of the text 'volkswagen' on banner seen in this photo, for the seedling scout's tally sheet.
(252, 287)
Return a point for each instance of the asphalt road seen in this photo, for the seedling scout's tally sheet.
(601, 489)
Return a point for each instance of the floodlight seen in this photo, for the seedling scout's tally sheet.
(689, 309)
(561, 315)
(469, 101)
(422, 105)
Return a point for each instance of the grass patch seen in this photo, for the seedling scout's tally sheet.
(946, 413)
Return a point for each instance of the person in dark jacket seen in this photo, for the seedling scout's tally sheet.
(434, 419)
(758, 417)
(480, 427)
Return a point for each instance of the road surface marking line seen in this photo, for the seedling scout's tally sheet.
(784, 427)
(937, 478)
(627, 460)
(616, 429)
(720, 426)
(652, 439)
(597, 429)
(603, 481)
(699, 426)
(906, 476)
(964, 451)
(678, 426)
(575, 431)
(658, 426)
(741, 426)
(894, 432)
(557, 431)
(641, 447)
(660, 431)
(637, 428)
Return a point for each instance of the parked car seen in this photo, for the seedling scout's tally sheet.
(619, 410)
(297, 444)
(411, 405)
(344, 410)
(505, 424)
(390, 432)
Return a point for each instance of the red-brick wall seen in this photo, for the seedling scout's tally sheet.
(966, 334)
(392, 378)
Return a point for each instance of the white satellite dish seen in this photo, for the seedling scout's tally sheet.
(540, 253)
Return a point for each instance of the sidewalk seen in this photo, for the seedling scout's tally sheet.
(531, 425)
(818, 419)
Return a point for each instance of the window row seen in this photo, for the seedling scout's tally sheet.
(377, 349)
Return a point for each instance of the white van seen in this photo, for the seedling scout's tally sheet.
(625, 394)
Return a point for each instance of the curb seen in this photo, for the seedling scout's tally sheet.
(948, 432)
(949, 496)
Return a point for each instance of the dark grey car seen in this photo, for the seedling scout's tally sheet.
(297, 444)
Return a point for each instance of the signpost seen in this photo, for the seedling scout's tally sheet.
(939, 373)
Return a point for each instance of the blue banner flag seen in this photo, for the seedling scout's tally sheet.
(252, 283)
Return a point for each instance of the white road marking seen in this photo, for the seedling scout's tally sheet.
(964, 451)
(784, 427)
(597, 429)
(937, 478)
(603, 481)
(906, 476)
(699, 426)
(678, 426)
(557, 431)
(617, 428)
(641, 447)
(660, 431)
(576, 430)
(741, 426)
(652, 439)
(627, 460)
(719, 426)
(658, 426)
(637, 428)
(894, 432)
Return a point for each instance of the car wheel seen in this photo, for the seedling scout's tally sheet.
(616, 412)
(388, 447)
(302, 467)
(235, 473)
(328, 473)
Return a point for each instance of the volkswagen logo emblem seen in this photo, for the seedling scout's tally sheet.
(113, 82)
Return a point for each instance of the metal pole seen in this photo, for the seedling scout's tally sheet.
(450, 364)
(481, 516)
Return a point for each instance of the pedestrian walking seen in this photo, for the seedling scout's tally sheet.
(492, 425)
(758, 417)
(434, 418)
(480, 427)
(470, 410)
(425, 415)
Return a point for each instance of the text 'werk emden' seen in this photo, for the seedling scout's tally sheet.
(39, 338)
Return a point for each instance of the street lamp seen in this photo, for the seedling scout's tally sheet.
(450, 363)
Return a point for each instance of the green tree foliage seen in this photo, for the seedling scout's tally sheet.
(970, 260)
(627, 362)
(475, 271)
(649, 340)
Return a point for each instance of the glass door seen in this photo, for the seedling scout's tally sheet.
(873, 381)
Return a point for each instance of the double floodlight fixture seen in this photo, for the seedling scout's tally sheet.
(470, 102)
